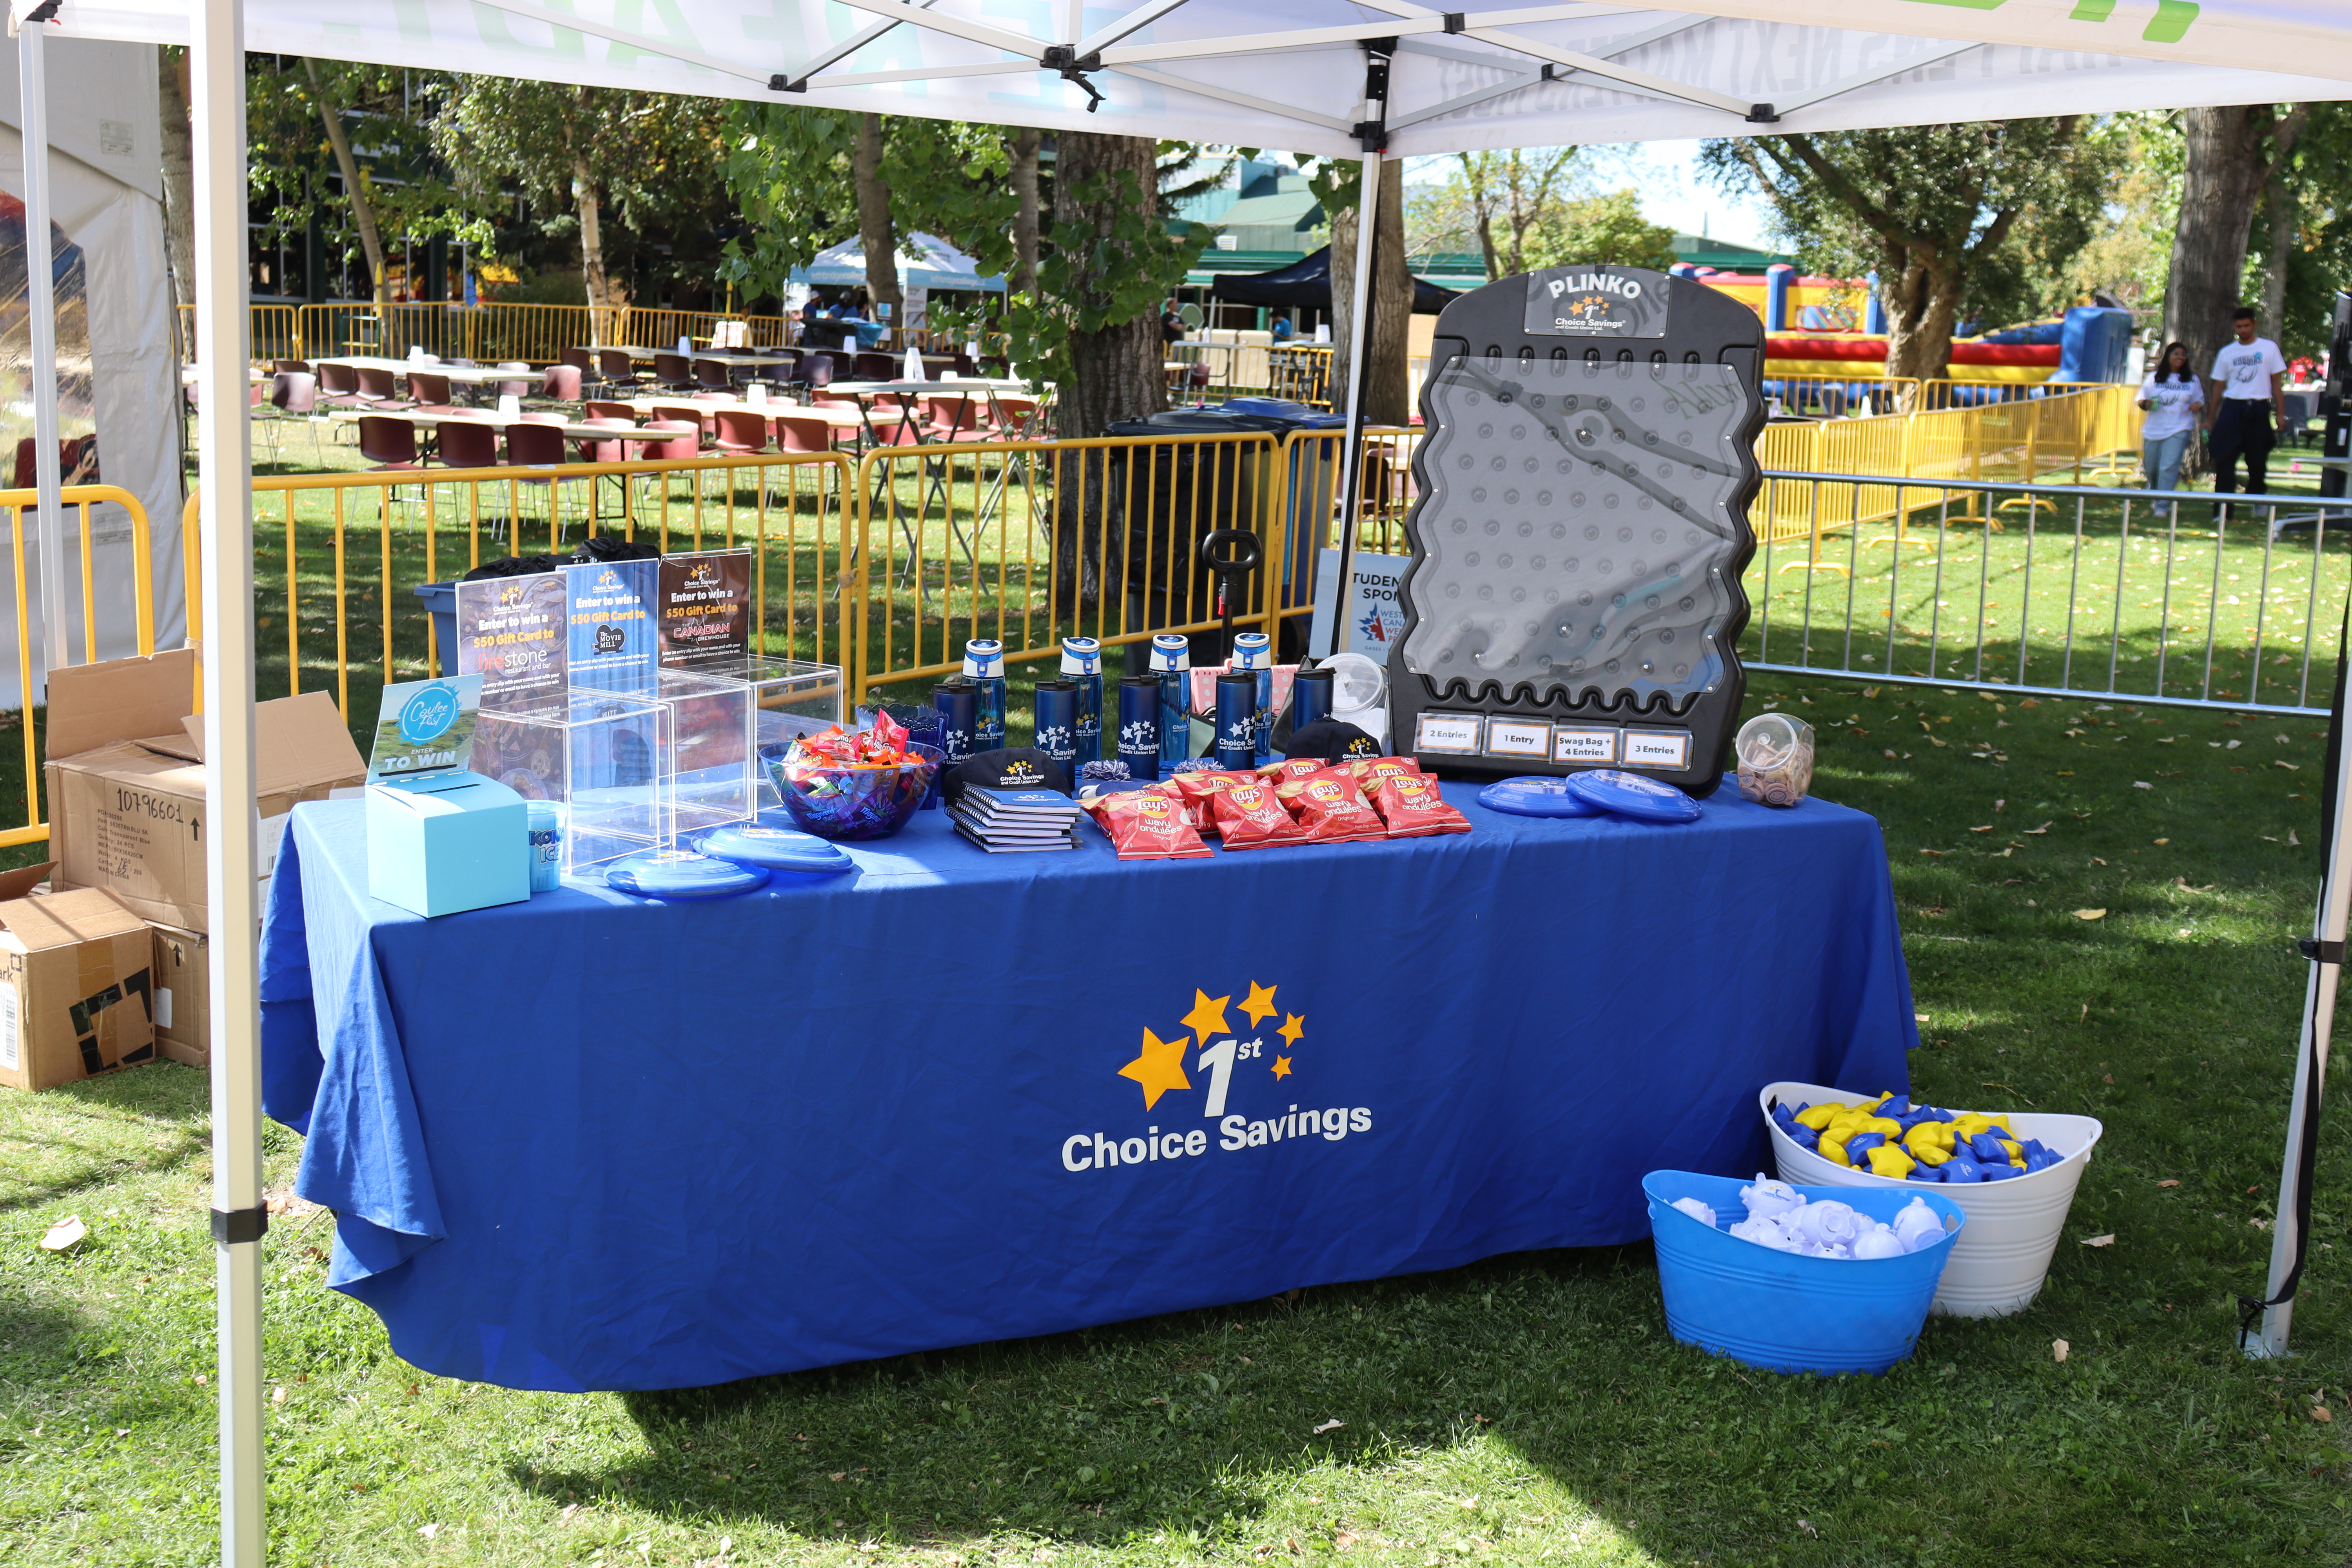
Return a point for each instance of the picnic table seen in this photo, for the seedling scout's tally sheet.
(458, 374)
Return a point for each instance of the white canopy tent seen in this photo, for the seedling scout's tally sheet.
(925, 261)
(105, 193)
(1350, 78)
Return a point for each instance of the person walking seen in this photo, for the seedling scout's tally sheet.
(2172, 397)
(2245, 405)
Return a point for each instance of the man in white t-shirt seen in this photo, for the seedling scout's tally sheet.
(2247, 404)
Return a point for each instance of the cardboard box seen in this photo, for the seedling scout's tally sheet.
(184, 995)
(126, 779)
(442, 843)
(75, 984)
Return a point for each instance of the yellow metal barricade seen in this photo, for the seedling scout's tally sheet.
(338, 556)
(1029, 541)
(21, 508)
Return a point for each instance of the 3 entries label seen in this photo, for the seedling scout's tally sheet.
(1232, 1060)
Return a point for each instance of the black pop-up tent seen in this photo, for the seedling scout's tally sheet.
(1306, 285)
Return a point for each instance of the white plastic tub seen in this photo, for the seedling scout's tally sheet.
(2000, 1259)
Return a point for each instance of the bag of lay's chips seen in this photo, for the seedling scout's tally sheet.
(1285, 769)
(1370, 771)
(1147, 825)
(1412, 808)
(1250, 817)
(1196, 788)
(1332, 808)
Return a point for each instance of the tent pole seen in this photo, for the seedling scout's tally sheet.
(2328, 925)
(41, 317)
(1351, 461)
(225, 510)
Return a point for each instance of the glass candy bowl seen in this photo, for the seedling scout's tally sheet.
(852, 803)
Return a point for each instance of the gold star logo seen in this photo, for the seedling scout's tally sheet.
(1281, 1069)
(1159, 1067)
(1293, 1025)
(1207, 1016)
(1260, 1006)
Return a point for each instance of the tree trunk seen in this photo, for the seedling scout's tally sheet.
(1025, 144)
(2284, 203)
(1388, 392)
(179, 175)
(1923, 303)
(354, 189)
(875, 232)
(1115, 372)
(2227, 152)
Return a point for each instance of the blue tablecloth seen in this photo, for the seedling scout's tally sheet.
(595, 1141)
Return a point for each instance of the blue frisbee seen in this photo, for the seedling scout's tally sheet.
(777, 848)
(682, 874)
(1536, 797)
(1630, 794)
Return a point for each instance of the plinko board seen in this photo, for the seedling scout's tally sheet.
(1581, 529)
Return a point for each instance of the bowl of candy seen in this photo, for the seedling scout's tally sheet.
(843, 785)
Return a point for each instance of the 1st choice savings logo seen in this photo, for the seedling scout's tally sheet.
(1222, 1063)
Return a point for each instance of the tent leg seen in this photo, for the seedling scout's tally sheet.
(224, 509)
(1351, 458)
(41, 318)
(2287, 1240)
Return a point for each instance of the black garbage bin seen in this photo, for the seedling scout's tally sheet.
(1160, 502)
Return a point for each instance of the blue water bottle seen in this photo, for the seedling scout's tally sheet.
(1056, 724)
(983, 665)
(1082, 666)
(1139, 725)
(1310, 697)
(545, 820)
(1171, 662)
(957, 703)
(1253, 652)
(1237, 719)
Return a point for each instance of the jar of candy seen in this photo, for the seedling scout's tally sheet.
(1776, 759)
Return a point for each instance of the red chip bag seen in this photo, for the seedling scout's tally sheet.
(1250, 817)
(1369, 771)
(1289, 768)
(1412, 807)
(1330, 807)
(1147, 825)
(1196, 788)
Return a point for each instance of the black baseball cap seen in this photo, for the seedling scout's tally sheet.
(1334, 740)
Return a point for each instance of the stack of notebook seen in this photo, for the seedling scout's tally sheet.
(1006, 820)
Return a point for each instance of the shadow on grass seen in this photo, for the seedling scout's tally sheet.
(52, 1161)
(1167, 1424)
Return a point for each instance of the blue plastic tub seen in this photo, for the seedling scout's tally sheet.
(1782, 1312)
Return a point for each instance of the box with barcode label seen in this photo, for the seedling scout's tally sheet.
(76, 984)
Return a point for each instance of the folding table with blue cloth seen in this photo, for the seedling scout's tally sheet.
(597, 1141)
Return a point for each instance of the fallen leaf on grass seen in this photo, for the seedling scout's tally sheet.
(2142, 783)
(1986, 828)
(838, 1475)
(2032, 831)
(2168, 1182)
(2058, 1348)
(1938, 854)
(2293, 841)
(1807, 1526)
(429, 1532)
(65, 1235)
(1332, 1425)
(2106, 1240)
(2090, 914)
(2320, 1413)
(277, 1395)
(2288, 767)
(1920, 1018)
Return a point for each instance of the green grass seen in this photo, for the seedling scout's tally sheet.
(1527, 1408)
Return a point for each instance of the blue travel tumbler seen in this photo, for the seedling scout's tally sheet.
(1082, 666)
(545, 820)
(1171, 661)
(983, 664)
(1054, 730)
(1236, 719)
(1310, 697)
(957, 703)
(1254, 651)
(1139, 725)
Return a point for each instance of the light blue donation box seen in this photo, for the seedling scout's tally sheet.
(441, 842)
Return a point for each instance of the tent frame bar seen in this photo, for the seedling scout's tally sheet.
(41, 321)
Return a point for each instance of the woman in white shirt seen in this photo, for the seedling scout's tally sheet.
(2172, 394)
